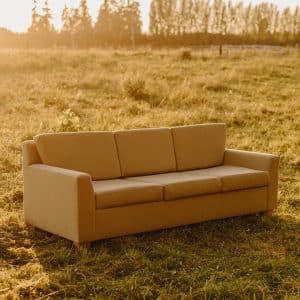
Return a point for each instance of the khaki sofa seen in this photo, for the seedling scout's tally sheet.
(94, 185)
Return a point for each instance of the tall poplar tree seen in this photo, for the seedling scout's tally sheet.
(154, 19)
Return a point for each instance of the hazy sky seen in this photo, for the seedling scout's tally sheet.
(16, 14)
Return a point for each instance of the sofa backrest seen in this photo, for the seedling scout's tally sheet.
(199, 146)
(108, 155)
(145, 151)
(94, 153)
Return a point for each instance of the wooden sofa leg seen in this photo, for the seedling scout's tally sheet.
(268, 213)
(80, 246)
(29, 226)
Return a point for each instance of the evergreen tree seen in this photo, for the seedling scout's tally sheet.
(45, 20)
(65, 17)
(81, 22)
(132, 24)
(85, 23)
(34, 18)
(41, 31)
(171, 21)
(103, 26)
(118, 22)
(67, 31)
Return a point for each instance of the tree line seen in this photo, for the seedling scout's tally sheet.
(172, 23)
(204, 21)
(118, 23)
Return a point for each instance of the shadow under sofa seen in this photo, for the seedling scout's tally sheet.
(88, 186)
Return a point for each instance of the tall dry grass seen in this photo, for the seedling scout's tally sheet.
(257, 93)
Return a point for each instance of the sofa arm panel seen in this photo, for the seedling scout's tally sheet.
(60, 201)
(30, 154)
(258, 161)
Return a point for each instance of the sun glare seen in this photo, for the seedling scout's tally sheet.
(15, 15)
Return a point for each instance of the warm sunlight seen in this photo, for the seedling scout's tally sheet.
(149, 149)
(16, 15)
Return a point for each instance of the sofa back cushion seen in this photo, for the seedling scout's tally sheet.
(94, 153)
(199, 146)
(145, 151)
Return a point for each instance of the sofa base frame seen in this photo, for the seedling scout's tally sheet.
(268, 213)
(147, 217)
(127, 220)
(81, 245)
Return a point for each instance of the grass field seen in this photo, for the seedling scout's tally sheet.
(256, 92)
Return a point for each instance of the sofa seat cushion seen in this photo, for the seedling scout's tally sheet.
(182, 185)
(121, 192)
(235, 178)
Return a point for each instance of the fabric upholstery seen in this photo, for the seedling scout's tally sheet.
(60, 196)
(235, 178)
(181, 185)
(59, 201)
(165, 214)
(121, 192)
(30, 154)
(94, 153)
(199, 146)
(145, 151)
(258, 161)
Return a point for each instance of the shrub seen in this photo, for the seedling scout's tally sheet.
(68, 121)
(134, 110)
(186, 55)
(135, 88)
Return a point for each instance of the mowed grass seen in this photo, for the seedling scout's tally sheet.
(257, 93)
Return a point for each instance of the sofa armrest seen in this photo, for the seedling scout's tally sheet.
(257, 161)
(60, 201)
